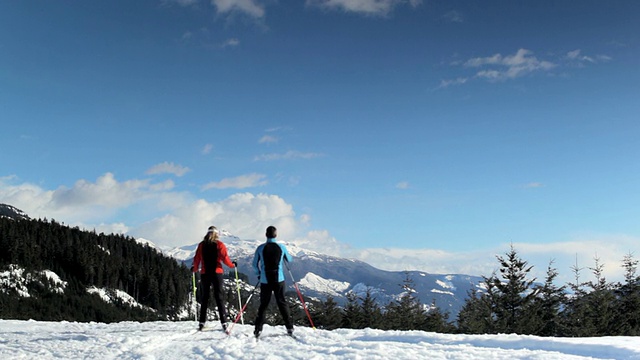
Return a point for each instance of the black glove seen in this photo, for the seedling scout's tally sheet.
(235, 263)
(191, 268)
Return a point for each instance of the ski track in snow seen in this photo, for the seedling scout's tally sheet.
(180, 340)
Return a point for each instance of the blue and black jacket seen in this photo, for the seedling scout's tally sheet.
(268, 261)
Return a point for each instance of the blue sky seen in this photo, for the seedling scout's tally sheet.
(410, 134)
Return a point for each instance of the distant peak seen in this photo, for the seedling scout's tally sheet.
(12, 212)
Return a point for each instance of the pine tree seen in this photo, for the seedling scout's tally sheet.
(575, 315)
(471, 316)
(329, 315)
(351, 312)
(437, 321)
(627, 305)
(370, 312)
(546, 320)
(600, 301)
(406, 313)
(515, 293)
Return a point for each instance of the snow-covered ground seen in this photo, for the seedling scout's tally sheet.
(178, 340)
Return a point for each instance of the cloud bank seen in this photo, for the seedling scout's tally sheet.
(155, 211)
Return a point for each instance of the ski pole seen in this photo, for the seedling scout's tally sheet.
(239, 298)
(244, 307)
(304, 305)
(193, 296)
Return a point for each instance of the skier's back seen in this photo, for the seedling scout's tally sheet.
(268, 265)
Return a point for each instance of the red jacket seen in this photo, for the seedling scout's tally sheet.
(223, 256)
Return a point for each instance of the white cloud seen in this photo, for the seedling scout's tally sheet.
(402, 185)
(251, 8)
(238, 182)
(577, 57)
(86, 201)
(367, 7)
(453, 16)
(244, 214)
(231, 43)
(289, 155)
(573, 54)
(169, 218)
(168, 168)
(322, 242)
(181, 2)
(115, 228)
(447, 83)
(174, 219)
(207, 149)
(533, 185)
(509, 67)
(609, 249)
(603, 58)
(268, 139)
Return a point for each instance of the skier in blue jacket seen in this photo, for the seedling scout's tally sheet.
(268, 265)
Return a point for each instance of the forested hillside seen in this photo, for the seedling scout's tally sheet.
(83, 260)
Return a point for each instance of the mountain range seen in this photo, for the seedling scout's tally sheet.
(319, 275)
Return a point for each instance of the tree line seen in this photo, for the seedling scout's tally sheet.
(509, 301)
(513, 302)
(85, 259)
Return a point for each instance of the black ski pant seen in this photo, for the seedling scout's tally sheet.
(206, 282)
(265, 297)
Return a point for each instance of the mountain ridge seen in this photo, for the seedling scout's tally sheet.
(320, 275)
(12, 212)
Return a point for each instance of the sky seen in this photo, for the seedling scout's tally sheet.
(414, 135)
(179, 340)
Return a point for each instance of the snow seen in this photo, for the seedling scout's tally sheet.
(59, 284)
(361, 289)
(236, 247)
(442, 292)
(446, 285)
(111, 295)
(104, 249)
(178, 340)
(14, 279)
(149, 243)
(18, 279)
(328, 286)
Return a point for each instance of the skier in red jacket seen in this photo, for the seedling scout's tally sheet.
(210, 255)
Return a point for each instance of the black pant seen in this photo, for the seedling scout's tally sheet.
(265, 297)
(205, 289)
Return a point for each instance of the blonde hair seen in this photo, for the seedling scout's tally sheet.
(212, 234)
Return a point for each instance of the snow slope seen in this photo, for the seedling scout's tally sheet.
(178, 340)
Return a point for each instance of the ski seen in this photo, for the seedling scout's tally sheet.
(276, 336)
(207, 328)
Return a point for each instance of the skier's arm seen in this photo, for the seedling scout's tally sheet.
(197, 259)
(285, 254)
(256, 260)
(224, 255)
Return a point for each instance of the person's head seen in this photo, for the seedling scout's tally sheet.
(272, 232)
(212, 234)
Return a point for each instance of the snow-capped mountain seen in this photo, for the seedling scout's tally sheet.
(320, 275)
(12, 212)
